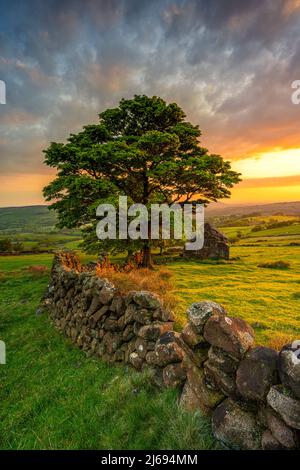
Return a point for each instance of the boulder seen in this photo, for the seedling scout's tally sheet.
(128, 333)
(223, 360)
(151, 358)
(289, 366)
(257, 372)
(236, 427)
(141, 347)
(129, 313)
(199, 312)
(143, 316)
(196, 379)
(269, 442)
(112, 341)
(190, 401)
(99, 314)
(155, 330)
(219, 380)
(117, 305)
(220, 370)
(94, 306)
(130, 348)
(168, 352)
(200, 353)
(112, 325)
(146, 299)
(285, 404)
(284, 434)
(233, 335)
(136, 360)
(106, 294)
(163, 314)
(190, 336)
(173, 375)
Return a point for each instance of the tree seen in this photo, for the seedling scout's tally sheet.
(144, 149)
(6, 245)
(18, 246)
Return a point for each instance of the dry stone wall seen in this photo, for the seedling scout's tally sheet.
(251, 392)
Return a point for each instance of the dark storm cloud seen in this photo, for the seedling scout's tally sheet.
(228, 63)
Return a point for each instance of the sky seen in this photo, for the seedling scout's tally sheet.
(229, 64)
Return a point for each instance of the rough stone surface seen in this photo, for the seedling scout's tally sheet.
(233, 335)
(281, 400)
(283, 433)
(155, 330)
(190, 401)
(136, 360)
(219, 380)
(289, 366)
(106, 294)
(257, 373)
(174, 375)
(146, 299)
(196, 379)
(236, 427)
(190, 336)
(200, 312)
(224, 361)
(269, 442)
(168, 353)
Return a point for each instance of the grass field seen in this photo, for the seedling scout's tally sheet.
(269, 299)
(54, 397)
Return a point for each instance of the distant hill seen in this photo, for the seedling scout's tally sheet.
(26, 219)
(284, 208)
(41, 219)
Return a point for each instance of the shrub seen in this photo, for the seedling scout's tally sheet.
(6, 245)
(275, 265)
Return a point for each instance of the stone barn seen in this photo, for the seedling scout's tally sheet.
(215, 245)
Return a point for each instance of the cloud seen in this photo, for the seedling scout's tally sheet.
(228, 63)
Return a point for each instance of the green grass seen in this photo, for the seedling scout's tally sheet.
(266, 297)
(278, 231)
(54, 397)
(271, 232)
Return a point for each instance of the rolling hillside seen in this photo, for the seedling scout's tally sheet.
(286, 208)
(26, 219)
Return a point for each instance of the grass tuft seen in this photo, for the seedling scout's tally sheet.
(275, 265)
(158, 281)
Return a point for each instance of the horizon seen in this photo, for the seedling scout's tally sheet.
(233, 74)
(209, 205)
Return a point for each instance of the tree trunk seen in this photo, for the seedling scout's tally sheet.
(147, 261)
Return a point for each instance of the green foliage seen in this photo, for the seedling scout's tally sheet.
(9, 246)
(6, 245)
(144, 149)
